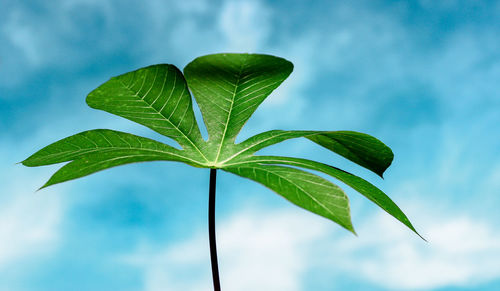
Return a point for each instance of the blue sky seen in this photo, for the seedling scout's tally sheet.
(420, 75)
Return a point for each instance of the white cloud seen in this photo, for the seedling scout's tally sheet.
(461, 251)
(48, 38)
(24, 38)
(238, 22)
(28, 226)
(261, 250)
(29, 221)
(56, 35)
(252, 246)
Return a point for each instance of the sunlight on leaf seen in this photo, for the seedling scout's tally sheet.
(228, 89)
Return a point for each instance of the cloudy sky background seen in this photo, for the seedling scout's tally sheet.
(423, 76)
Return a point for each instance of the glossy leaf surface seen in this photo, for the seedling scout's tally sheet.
(228, 89)
(99, 149)
(304, 189)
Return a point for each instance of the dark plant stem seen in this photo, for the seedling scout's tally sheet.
(211, 229)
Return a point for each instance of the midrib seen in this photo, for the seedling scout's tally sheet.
(170, 122)
(229, 113)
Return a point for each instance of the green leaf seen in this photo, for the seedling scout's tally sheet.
(360, 148)
(360, 185)
(303, 189)
(95, 150)
(155, 96)
(363, 149)
(229, 87)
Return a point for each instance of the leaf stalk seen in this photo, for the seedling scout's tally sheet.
(211, 229)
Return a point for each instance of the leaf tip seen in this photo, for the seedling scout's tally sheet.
(350, 228)
(410, 226)
(44, 186)
(47, 184)
(24, 162)
(31, 161)
(420, 236)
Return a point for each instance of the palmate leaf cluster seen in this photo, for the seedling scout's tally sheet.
(228, 88)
